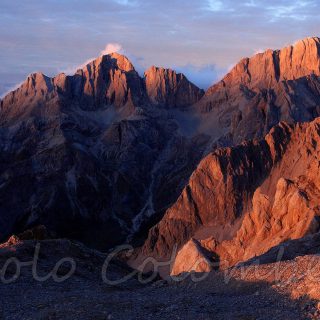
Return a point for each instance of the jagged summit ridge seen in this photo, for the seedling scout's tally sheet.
(108, 80)
(263, 69)
(290, 63)
(261, 91)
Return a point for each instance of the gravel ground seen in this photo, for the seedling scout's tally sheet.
(85, 296)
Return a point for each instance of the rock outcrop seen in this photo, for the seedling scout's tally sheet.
(192, 257)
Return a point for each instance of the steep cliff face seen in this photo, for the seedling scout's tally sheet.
(38, 93)
(218, 193)
(272, 186)
(167, 88)
(109, 80)
(273, 86)
(286, 205)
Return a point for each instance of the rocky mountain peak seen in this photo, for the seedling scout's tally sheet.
(36, 90)
(264, 69)
(163, 71)
(165, 87)
(108, 80)
(301, 59)
(106, 62)
(261, 91)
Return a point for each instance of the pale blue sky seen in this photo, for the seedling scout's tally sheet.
(202, 38)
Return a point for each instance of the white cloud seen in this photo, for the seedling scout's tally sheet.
(259, 50)
(111, 48)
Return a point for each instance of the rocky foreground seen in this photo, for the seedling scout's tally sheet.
(285, 290)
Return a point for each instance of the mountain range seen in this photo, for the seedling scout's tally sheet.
(107, 157)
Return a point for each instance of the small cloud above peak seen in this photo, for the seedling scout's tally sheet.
(111, 48)
(259, 50)
(108, 49)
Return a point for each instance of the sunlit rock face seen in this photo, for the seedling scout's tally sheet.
(109, 80)
(273, 86)
(242, 201)
(192, 258)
